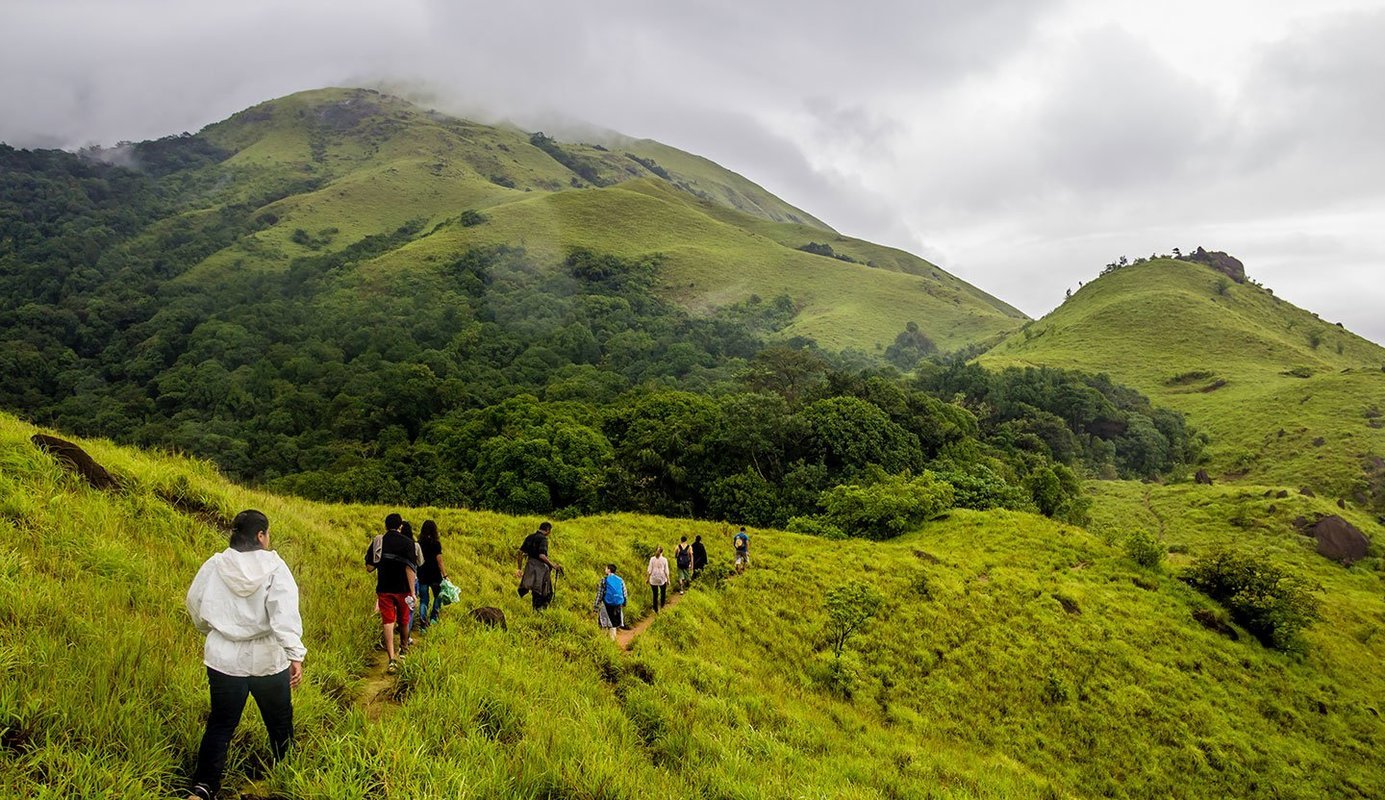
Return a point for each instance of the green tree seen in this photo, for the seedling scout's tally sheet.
(890, 506)
(849, 607)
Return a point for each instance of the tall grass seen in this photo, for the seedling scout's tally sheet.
(1013, 657)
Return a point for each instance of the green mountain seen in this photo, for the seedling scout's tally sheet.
(1012, 656)
(1285, 397)
(358, 163)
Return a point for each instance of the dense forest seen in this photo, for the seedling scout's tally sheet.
(500, 380)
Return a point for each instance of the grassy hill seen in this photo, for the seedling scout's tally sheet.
(1287, 398)
(352, 163)
(1013, 657)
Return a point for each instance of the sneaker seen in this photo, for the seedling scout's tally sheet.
(392, 668)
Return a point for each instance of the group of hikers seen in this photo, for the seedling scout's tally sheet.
(245, 601)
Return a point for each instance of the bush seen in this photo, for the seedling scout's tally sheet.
(471, 218)
(1271, 604)
(814, 526)
(1145, 549)
(849, 607)
(887, 508)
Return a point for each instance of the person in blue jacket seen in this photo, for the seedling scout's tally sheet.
(610, 601)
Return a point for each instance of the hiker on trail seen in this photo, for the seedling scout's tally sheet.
(393, 557)
(657, 575)
(699, 555)
(742, 544)
(610, 602)
(535, 570)
(431, 574)
(246, 602)
(683, 557)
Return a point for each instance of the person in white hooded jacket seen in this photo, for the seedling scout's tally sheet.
(246, 602)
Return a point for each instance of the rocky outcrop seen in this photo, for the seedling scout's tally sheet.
(490, 616)
(1221, 262)
(75, 459)
(1203, 478)
(1339, 540)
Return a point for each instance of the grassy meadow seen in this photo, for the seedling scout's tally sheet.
(1286, 398)
(1013, 657)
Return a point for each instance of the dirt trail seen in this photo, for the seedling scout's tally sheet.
(378, 689)
(626, 639)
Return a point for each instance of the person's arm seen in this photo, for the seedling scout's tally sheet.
(519, 567)
(369, 563)
(413, 579)
(281, 601)
(441, 569)
(194, 598)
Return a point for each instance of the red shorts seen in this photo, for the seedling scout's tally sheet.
(393, 608)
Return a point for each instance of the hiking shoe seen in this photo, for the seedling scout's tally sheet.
(393, 667)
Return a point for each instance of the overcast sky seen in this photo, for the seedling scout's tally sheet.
(1020, 144)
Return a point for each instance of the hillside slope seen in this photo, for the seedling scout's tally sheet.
(1014, 657)
(1285, 397)
(352, 163)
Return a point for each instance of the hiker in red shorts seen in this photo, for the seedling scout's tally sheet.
(393, 557)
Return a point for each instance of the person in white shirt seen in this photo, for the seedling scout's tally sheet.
(246, 602)
(658, 579)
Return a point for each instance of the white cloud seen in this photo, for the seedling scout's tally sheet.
(1021, 144)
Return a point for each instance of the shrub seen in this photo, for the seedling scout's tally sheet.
(887, 508)
(849, 607)
(1145, 549)
(814, 526)
(471, 217)
(1271, 604)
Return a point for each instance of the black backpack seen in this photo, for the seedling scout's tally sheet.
(683, 556)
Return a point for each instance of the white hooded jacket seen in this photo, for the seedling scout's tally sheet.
(247, 605)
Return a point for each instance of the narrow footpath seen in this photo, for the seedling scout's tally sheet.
(626, 639)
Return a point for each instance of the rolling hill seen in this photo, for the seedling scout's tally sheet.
(355, 163)
(1285, 397)
(1013, 657)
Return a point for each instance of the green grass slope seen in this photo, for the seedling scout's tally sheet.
(344, 164)
(1285, 397)
(1014, 657)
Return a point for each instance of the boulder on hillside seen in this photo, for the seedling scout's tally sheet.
(75, 459)
(1203, 478)
(490, 616)
(1306, 492)
(1339, 540)
(1303, 526)
(1221, 262)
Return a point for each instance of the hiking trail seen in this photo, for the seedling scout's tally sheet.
(626, 639)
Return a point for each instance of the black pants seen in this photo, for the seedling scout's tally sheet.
(616, 614)
(660, 596)
(272, 695)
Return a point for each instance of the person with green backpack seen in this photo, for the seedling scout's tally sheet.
(610, 602)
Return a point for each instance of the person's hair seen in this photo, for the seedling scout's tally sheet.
(658, 551)
(684, 539)
(393, 521)
(611, 568)
(406, 529)
(742, 529)
(545, 526)
(698, 539)
(429, 531)
(245, 528)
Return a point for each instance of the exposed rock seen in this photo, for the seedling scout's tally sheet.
(1203, 478)
(1303, 525)
(1339, 540)
(1213, 621)
(1221, 262)
(76, 459)
(1282, 493)
(1341, 503)
(1306, 492)
(1319, 442)
(490, 616)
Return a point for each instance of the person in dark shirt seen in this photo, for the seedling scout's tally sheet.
(699, 555)
(535, 569)
(393, 557)
(431, 574)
